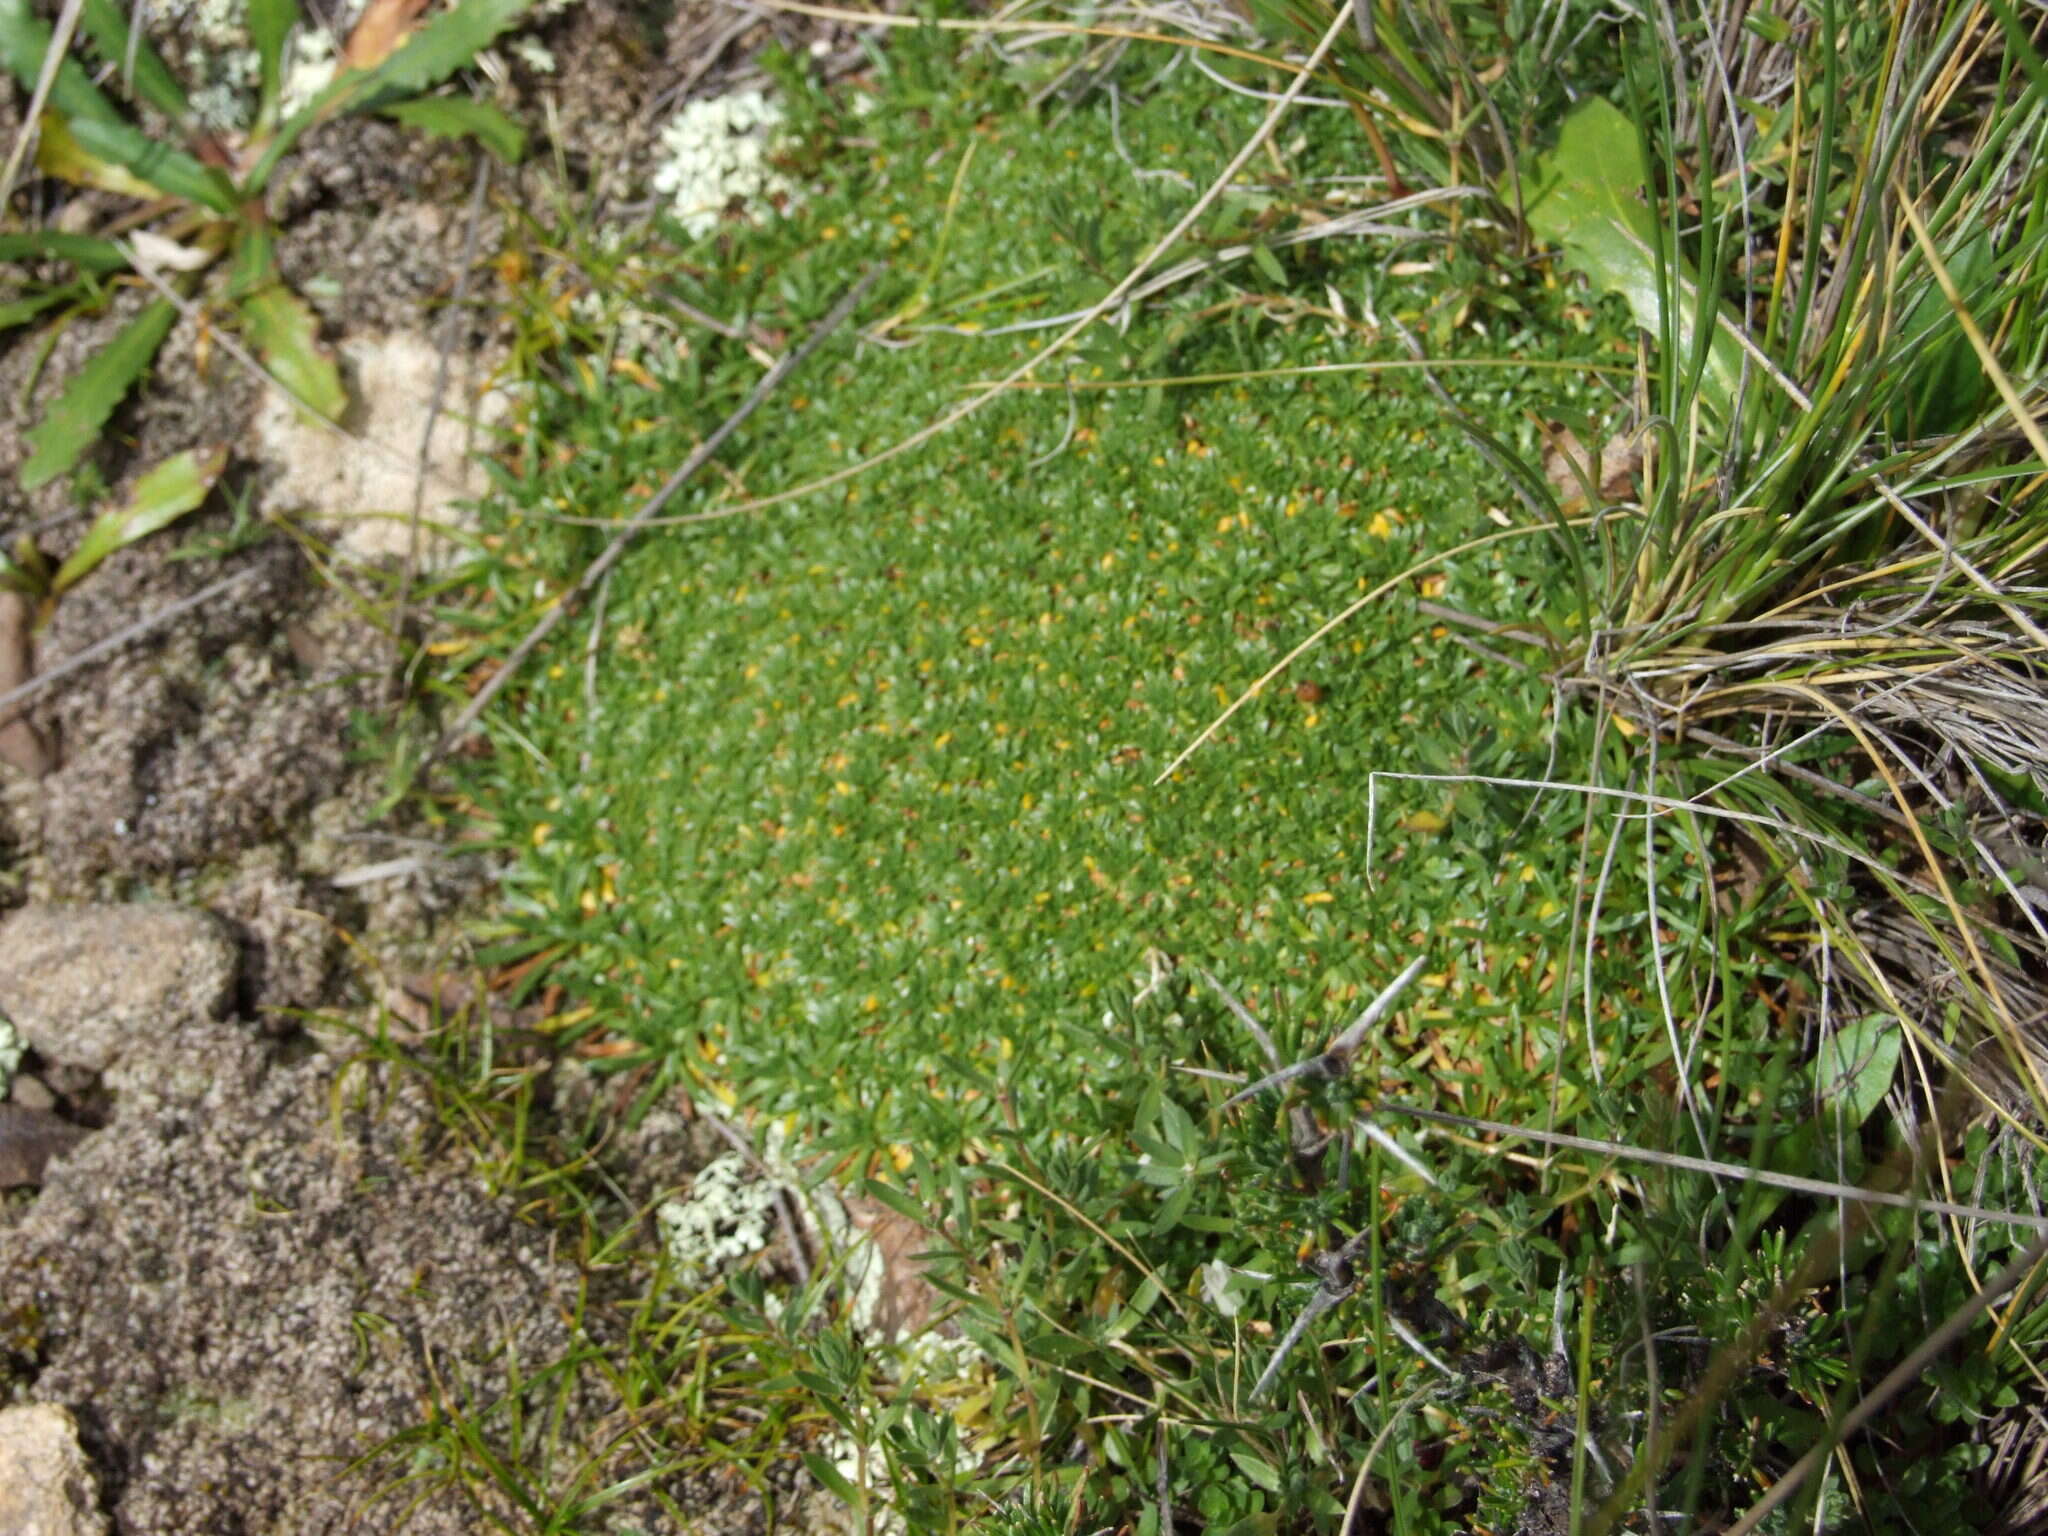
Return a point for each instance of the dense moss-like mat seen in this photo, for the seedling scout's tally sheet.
(863, 817)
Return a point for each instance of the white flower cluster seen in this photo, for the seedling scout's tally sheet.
(717, 151)
(724, 1220)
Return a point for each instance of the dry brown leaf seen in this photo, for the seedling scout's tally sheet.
(385, 25)
(20, 744)
(1568, 468)
(906, 1300)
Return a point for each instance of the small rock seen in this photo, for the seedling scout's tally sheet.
(81, 983)
(46, 1488)
(29, 1138)
(30, 1092)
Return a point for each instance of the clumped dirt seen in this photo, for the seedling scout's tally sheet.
(265, 1259)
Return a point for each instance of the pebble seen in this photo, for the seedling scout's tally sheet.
(82, 983)
(46, 1488)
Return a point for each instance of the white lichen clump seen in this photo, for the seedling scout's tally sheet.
(724, 1220)
(717, 154)
(11, 1048)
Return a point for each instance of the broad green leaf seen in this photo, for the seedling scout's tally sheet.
(87, 252)
(455, 117)
(1586, 195)
(106, 23)
(270, 26)
(287, 336)
(24, 40)
(122, 158)
(72, 424)
(1853, 1070)
(162, 496)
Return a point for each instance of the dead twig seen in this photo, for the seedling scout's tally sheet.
(101, 649)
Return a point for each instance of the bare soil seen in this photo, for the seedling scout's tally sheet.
(270, 1256)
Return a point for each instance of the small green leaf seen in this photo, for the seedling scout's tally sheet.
(24, 40)
(455, 117)
(287, 335)
(72, 424)
(1264, 259)
(448, 43)
(1262, 1472)
(270, 26)
(1853, 1069)
(106, 23)
(162, 496)
(1587, 196)
(832, 1480)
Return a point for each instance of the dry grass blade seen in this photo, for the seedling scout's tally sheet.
(1820, 1188)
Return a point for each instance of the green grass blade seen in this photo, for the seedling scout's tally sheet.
(74, 420)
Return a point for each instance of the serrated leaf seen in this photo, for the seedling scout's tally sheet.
(87, 252)
(444, 45)
(1853, 1070)
(287, 337)
(448, 43)
(270, 26)
(24, 41)
(160, 167)
(72, 424)
(457, 117)
(162, 496)
(1586, 195)
(106, 23)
